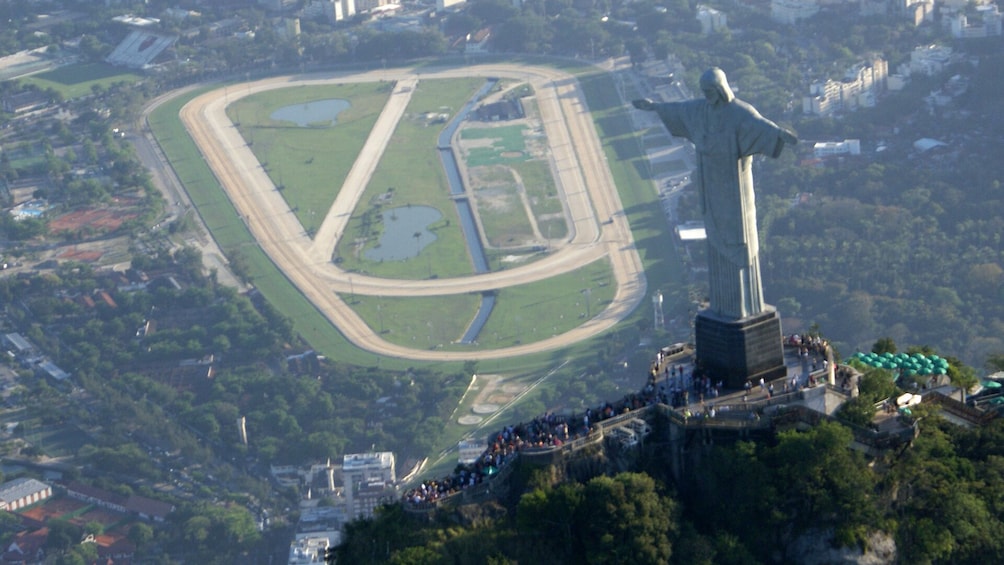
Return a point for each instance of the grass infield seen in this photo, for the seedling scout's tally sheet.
(403, 159)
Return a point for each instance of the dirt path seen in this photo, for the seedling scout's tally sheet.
(582, 172)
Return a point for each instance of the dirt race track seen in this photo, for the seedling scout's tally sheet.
(599, 228)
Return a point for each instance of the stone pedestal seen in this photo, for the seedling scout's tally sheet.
(735, 351)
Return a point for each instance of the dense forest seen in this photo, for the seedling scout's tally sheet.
(797, 498)
(296, 411)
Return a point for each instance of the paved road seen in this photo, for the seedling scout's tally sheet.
(178, 203)
(582, 175)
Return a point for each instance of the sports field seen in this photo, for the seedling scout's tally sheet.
(584, 277)
(79, 80)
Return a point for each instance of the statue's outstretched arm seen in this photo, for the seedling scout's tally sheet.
(788, 137)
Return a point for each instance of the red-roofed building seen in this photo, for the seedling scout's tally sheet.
(140, 506)
(113, 548)
(26, 547)
(107, 298)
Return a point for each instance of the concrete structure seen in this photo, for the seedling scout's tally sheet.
(22, 492)
(24, 101)
(684, 434)
(368, 479)
(308, 549)
(139, 49)
(919, 12)
(19, 343)
(711, 19)
(370, 5)
(738, 335)
(468, 451)
(824, 149)
(861, 86)
(444, 4)
(982, 21)
(791, 11)
(928, 60)
(140, 506)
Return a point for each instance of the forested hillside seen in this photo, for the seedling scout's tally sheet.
(898, 242)
(806, 494)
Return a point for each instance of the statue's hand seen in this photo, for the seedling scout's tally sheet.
(643, 104)
(788, 136)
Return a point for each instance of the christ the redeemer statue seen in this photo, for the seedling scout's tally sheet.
(726, 133)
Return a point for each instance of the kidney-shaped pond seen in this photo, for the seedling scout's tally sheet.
(405, 233)
(313, 113)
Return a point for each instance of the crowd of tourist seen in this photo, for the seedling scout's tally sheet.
(674, 384)
(808, 345)
(546, 431)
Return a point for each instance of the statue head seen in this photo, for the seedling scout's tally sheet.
(716, 87)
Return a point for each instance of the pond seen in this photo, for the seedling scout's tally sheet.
(400, 226)
(313, 113)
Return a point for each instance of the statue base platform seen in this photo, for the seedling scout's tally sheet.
(736, 351)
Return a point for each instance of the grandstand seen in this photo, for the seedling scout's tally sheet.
(139, 49)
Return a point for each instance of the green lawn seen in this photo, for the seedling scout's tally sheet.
(508, 145)
(235, 240)
(539, 184)
(310, 163)
(73, 81)
(523, 313)
(503, 216)
(419, 323)
(539, 310)
(411, 173)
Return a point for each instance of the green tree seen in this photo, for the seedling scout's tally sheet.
(140, 534)
(884, 345)
(94, 528)
(822, 481)
(624, 519)
(62, 535)
(546, 518)
(995, 362)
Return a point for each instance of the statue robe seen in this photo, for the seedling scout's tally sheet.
(726, 135)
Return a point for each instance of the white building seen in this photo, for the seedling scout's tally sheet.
(711, 19)
(929, 59)
(919, 12)
(791, 11)
(444, 4)
(832, 148)
(333, 10)
(860, 87)
(983, 21)
(308, 549)
(22, 492)
(368, 479)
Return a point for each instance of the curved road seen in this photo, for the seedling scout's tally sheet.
(582, 173)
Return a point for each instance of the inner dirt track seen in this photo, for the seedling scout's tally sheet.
(581, 170)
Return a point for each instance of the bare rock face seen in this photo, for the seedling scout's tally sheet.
(815, 547)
